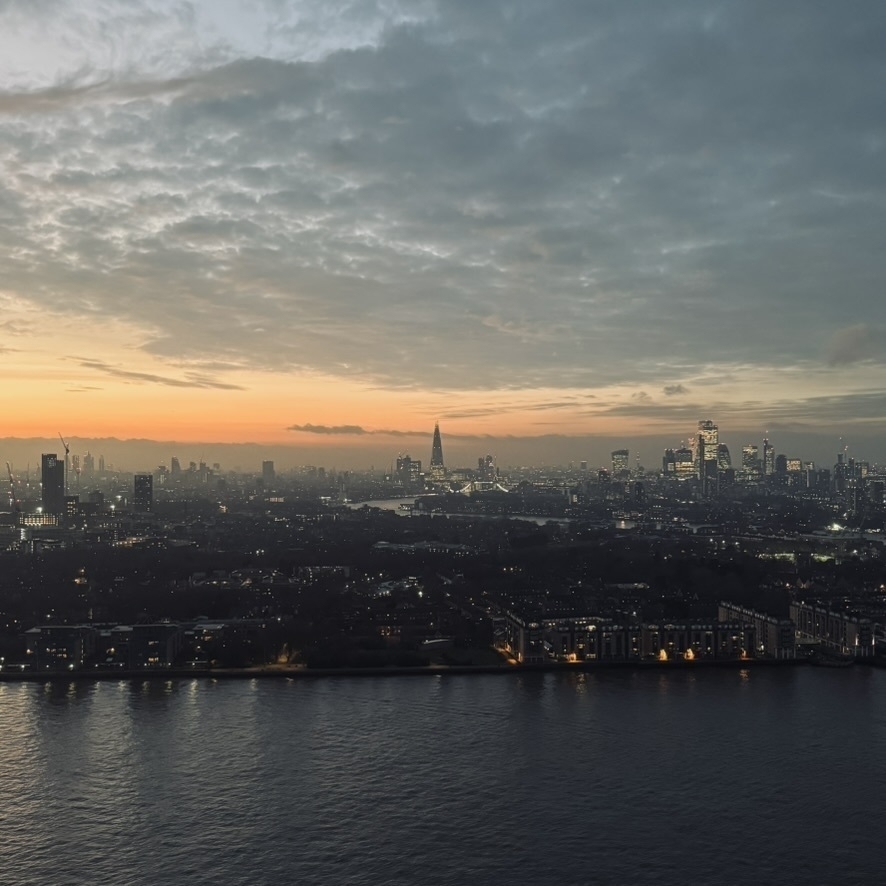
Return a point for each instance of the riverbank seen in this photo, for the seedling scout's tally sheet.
(292, 672)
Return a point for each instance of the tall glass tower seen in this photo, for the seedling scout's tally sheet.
(768, 457)
(437, 469)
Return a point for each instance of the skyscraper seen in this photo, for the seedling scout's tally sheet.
(408, 469)
(707, 450)
(268, 474)
(707, 444)
(684, 464)
(143, 493)
(52, 476)
(768, 458)
(621, 463)
(437, 470)
(750, 460)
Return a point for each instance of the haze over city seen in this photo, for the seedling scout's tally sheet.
(555, 228)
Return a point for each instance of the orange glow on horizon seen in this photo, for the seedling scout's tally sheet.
(55, 383)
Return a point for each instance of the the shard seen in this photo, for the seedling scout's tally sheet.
(437, 469)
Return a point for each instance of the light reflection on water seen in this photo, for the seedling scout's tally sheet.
(616, 776)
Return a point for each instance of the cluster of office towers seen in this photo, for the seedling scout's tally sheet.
(56, 499)
(706, 459)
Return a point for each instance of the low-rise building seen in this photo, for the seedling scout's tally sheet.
(775, 637)
(60, 647)
(837, 632)
(586, 638)
(154, 645)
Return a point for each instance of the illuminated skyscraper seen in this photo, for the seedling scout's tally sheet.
(437, 470)
(750, 460)
(52, 476)
(408, 469)
(707, 443)
(621, 463)
(684, 463)
(707, 451)
(768, 458)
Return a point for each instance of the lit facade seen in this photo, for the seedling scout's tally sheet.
(60, 647)
(684, 463)
(621, 463)
(707, 444)
(750, 461)
(768, 458)
(585, 638)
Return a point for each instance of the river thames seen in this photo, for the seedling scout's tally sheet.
(701, 776)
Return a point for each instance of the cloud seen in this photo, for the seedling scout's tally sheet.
(352, 430)
(448, 195)
(360, 431)
(190, 380)
(480, 412)
(330, 430)
(60, 98)
(16, 327)
(856, 343)
(810, 412)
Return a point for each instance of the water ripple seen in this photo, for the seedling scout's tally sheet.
(545, 778)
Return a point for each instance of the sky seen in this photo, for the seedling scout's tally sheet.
(552, 227)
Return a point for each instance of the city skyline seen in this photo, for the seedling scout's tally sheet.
(320, 228)
(136, 456)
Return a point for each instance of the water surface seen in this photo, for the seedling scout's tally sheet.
(617, 777)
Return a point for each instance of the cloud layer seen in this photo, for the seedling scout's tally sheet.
(447, 195)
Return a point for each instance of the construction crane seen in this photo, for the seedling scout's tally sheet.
(67, 451)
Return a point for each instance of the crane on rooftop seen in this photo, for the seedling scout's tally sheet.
(67, 451)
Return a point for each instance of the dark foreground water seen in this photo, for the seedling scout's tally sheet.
(763, 776)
